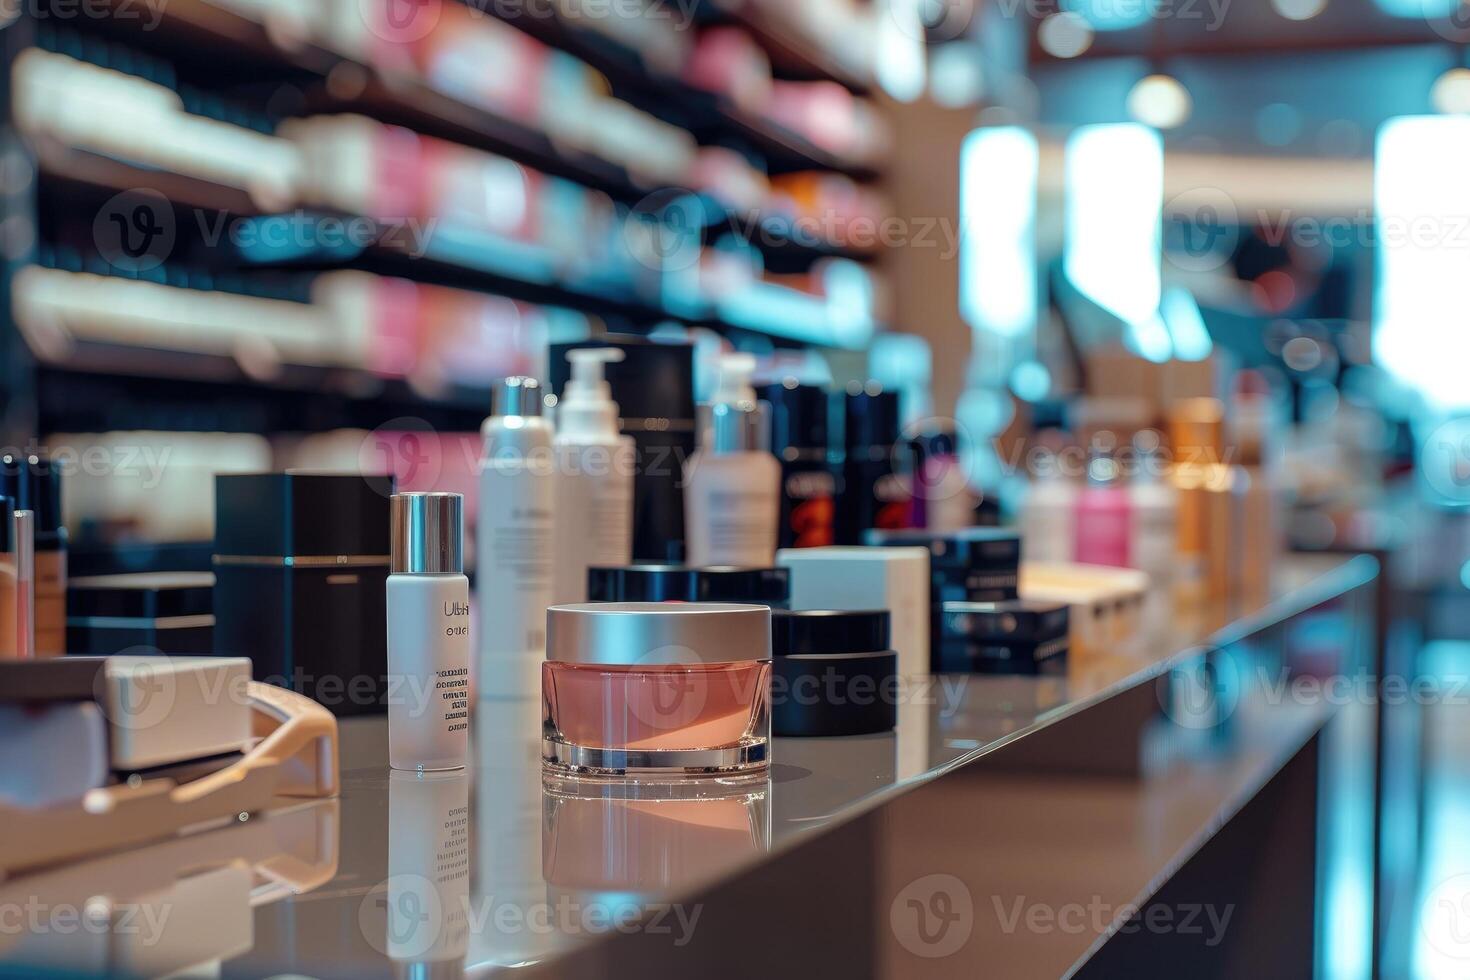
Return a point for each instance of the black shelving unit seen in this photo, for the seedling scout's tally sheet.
(217, 56)
(19, 418)
(791, 57)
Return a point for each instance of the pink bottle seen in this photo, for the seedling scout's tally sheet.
(1104, 515)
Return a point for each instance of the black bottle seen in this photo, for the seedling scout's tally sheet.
(880, 471)
(811, 462)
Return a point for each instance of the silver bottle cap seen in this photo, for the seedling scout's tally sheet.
(654, 634)
(736, 427)
(428, 533)
(520, 396)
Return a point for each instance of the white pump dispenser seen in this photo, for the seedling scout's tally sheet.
(594, 479)
(732, 501)
(732, 385)
(586, 412)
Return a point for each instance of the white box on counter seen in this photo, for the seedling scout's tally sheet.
(896, 579)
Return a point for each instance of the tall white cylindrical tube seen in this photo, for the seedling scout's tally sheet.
(514, 545)
(428, 634)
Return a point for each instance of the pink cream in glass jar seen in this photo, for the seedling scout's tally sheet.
(653, 688)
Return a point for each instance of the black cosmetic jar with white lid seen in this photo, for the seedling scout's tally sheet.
(833, 673)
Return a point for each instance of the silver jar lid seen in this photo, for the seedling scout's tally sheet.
(428, 533)
(654, 634)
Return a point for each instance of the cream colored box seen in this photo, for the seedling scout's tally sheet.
(1107, 602)
(896, 579)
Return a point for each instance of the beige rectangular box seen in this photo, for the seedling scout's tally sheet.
(162, 710)
(1107, 603)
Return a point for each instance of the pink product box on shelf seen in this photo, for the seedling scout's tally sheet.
(437, 336)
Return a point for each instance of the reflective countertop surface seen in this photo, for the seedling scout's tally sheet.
(498, 866)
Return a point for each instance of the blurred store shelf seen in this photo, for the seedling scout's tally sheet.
(793, 56)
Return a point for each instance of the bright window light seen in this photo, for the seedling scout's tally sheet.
(1422, 208)
(1161, 101)
(902, 57)
(1187, 330)
(1115, 197)
(998, 223)
(1113, 15)
(1418, 9)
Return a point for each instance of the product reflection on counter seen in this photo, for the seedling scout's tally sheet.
(183, 906)
(605, 839)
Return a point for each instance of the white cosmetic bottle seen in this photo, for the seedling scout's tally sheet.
(1048, 515)
(514, 543)
(594, 477)
(428, 634)
(1155, 506)
(732, 491)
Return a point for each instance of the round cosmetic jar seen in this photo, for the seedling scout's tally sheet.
(685, 583)
(656, 689)
(834, 673)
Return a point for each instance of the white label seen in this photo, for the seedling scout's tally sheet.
(428, 671)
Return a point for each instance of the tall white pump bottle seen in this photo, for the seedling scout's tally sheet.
(514, 543)
(594, 477)
(732, 490)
